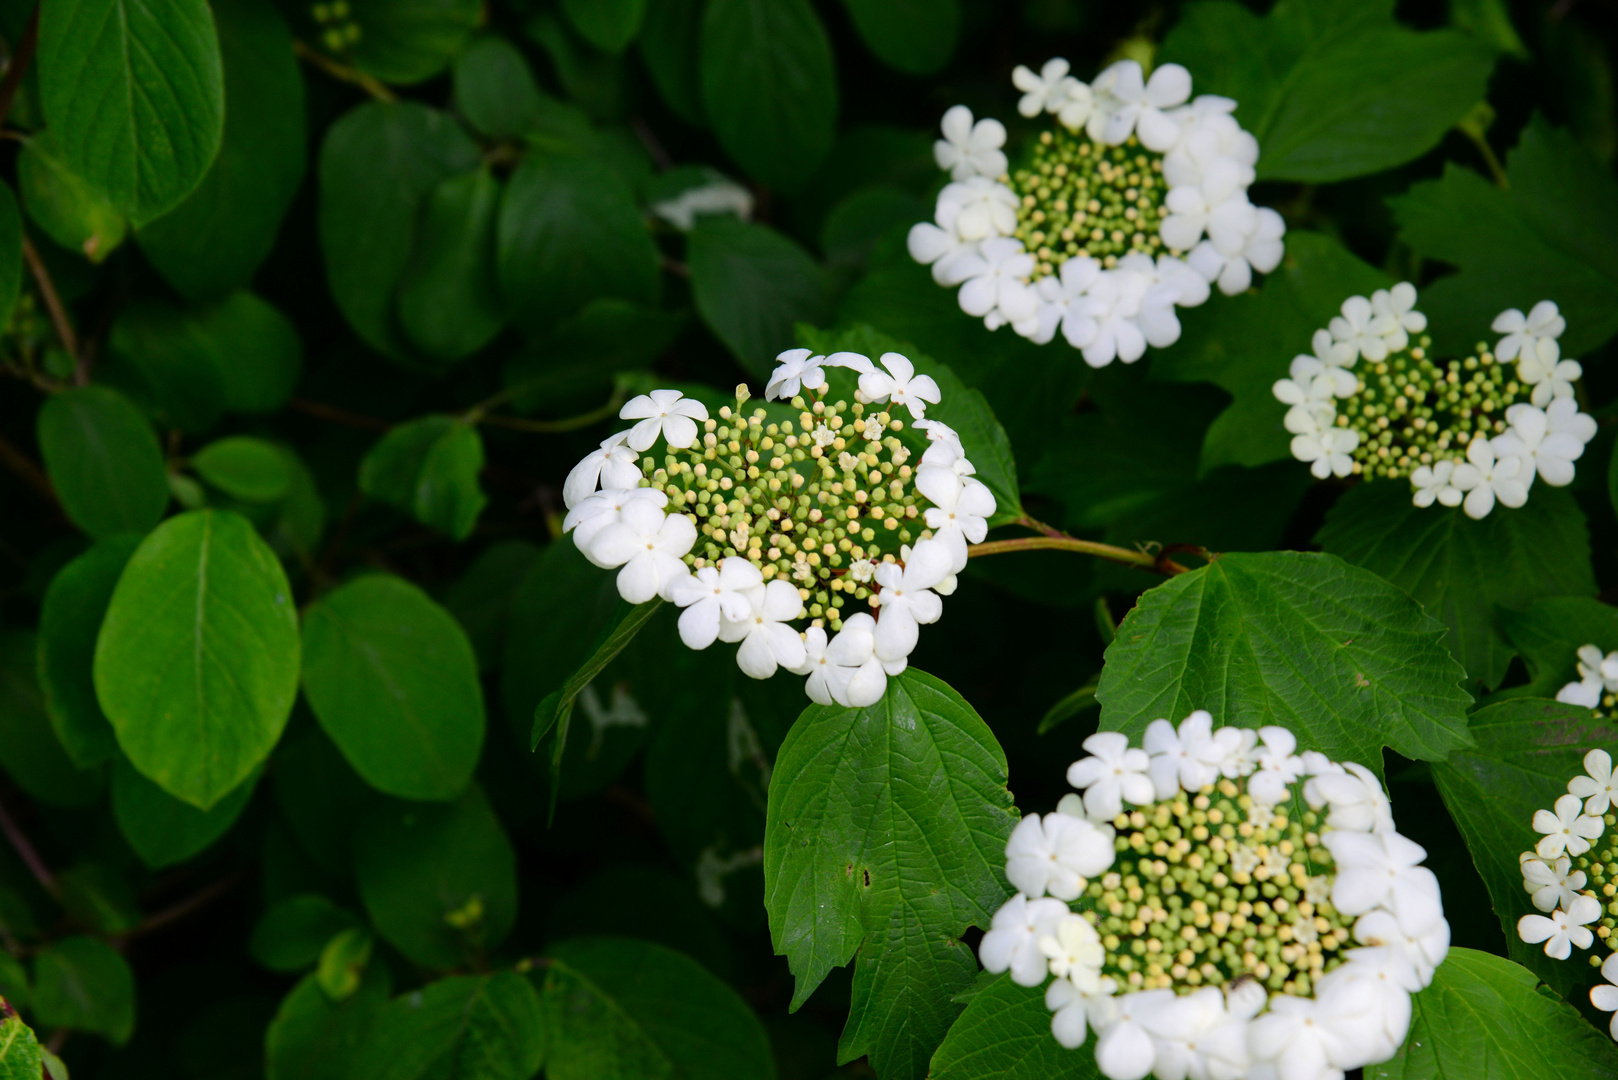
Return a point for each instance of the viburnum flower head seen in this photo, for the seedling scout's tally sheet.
(1199, 926)
(812, 543)
(1473, 433)
(1133, 178)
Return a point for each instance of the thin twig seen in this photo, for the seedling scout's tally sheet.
(195, 902)
(1139, 559)
(342, 71)
(53, 303)
(25, 851)
(1481, 141)
(337, 415)
(18, 67)
(654, 148)
(30, 474)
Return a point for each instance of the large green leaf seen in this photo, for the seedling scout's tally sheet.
(1331, 90)
(392, 679)
(1461, 569)
(439, 881)
(82, 982)
(1245, 343)
(245, 468)
(916, 36)
(1005, 1034)
(162, 829)
(570, 233)
(583, 356)
(752, 286)
(1541, 238)
(103, 459)
(1548, 636)
(487, 1027)
(495, 90)
(886, 826)
(1527, 750)
(406, 41)
(449, 298)
(769, 87)
(19, 1049)
(211, 243)
(668, 44)
(135, 96)
(315, 1038)
(69, 209)
(69, 622)
(197, 663)
(378, 164)
(30, 752)
(616, 1009)
(609, 25)
(1346, 661)
(1486, 1018)
(542, 649)
(429, 469)
(481, 600)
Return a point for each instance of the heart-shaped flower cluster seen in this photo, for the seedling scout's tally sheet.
(1131, 205)
(1205, 922)
(770, 530)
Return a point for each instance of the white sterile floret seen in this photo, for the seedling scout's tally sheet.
(1209, 137)
(906, 598)
(1128, 104)
(1070, 1010)
(649, 545)
(969, 149)
(1412, 958)
(1012, 941)
(977, 209)
(1276, 763)
(1114, 772)
(611, 466)
(1383, 870)
(595, 512)
(1561, 931)
(1111, 305)
(1056, 854)
(766, 641)
(1546, 453)
(995, 282)
(1552, 380)
(1312, 384)
(666, 413)
(960, 512)
(1605, 996)
(900, 385)
(1216, 205)
(1186, 758)
(1075, 952)
(711, 595)
(1198, 1036)
(1124, 1051)
(1436, 483)
(1362, 329)
(1598, 788)
(718, 195)
(1603, 668)
(1554, 884)
(1050, 91)
(1355, 799)
(1328, 452)
(1566, 828)
(853, 675)
(799, 369)
(1533, 334)
(1486, 477)
(1395, 309)
(1586, 692)
(1231, 261)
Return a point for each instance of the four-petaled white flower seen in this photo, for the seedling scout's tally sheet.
(1485, 477)
(668, 413)
(1012, 941)
(1185, 758)
(1075, 952)
(1114, 772)
(995, 281)
(1395, 308)
(960, 512)
(1533, 334)
(767, 640)
(1355, 797)
(799, 369)
(1552, 380)
(1544, 450)
(1231, 260)
(611, 466)
(1566, 828)
(1383, 870)
(1553, 884)
(1436, 483)
(900, 385)
(595, 512)
(1127, 103)
(906, 597)
(1056, 854)
(1277, 765)
(1605, 996)
(649, 546)
(712, 595)
(1360, 327)
(1561, 931)
(1329, 451)
(969, 149)
(976, 209)
(1599, 788)
(1052, 90)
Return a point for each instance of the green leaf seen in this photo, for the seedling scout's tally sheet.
(1243, 344)
(315, 1038)
(104, 461)
(69, 621)
(1333, 92)
(769, 87)
(483, 1026)
(29, 750)
(1548, 636)
(1526, 752)
(1539, 239)
(1486, 1018)
(19, 1050)
(14, 982)
(1460, 570)
(902, 803)
(378, 164)
(99, 896)
(343, 961)
(584, 353)
(291, 935)
(406, 41)
(481, 600)
(542, 649)
(162, 829)
(449, 299)
(1490, 22)
(197, 664)
(10, 254)
(1005, 1034)
(439, 881)
(83, 983)
(391, 677)
(210, 244)
(915, 36)
(570, 232)
(1344, 660)
(668, 44)
(616, 1009)
(255, 348)
(67, 207)
(429, 469)
(244, 468)
(609, 25)
(495, 90)
(134, 95)
(752, 285)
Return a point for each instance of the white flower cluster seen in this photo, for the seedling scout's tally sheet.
(798, 521)
(1457, 433)
(1570, 877)
(1213, 938)
(1150, 237)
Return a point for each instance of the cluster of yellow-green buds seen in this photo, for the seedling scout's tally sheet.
(1081, 197)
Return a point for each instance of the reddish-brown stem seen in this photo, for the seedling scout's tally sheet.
(25, 851)
(53, 304)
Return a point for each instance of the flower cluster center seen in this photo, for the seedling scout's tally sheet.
(1081, 197)
(1600, 867)
(1211, 889)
